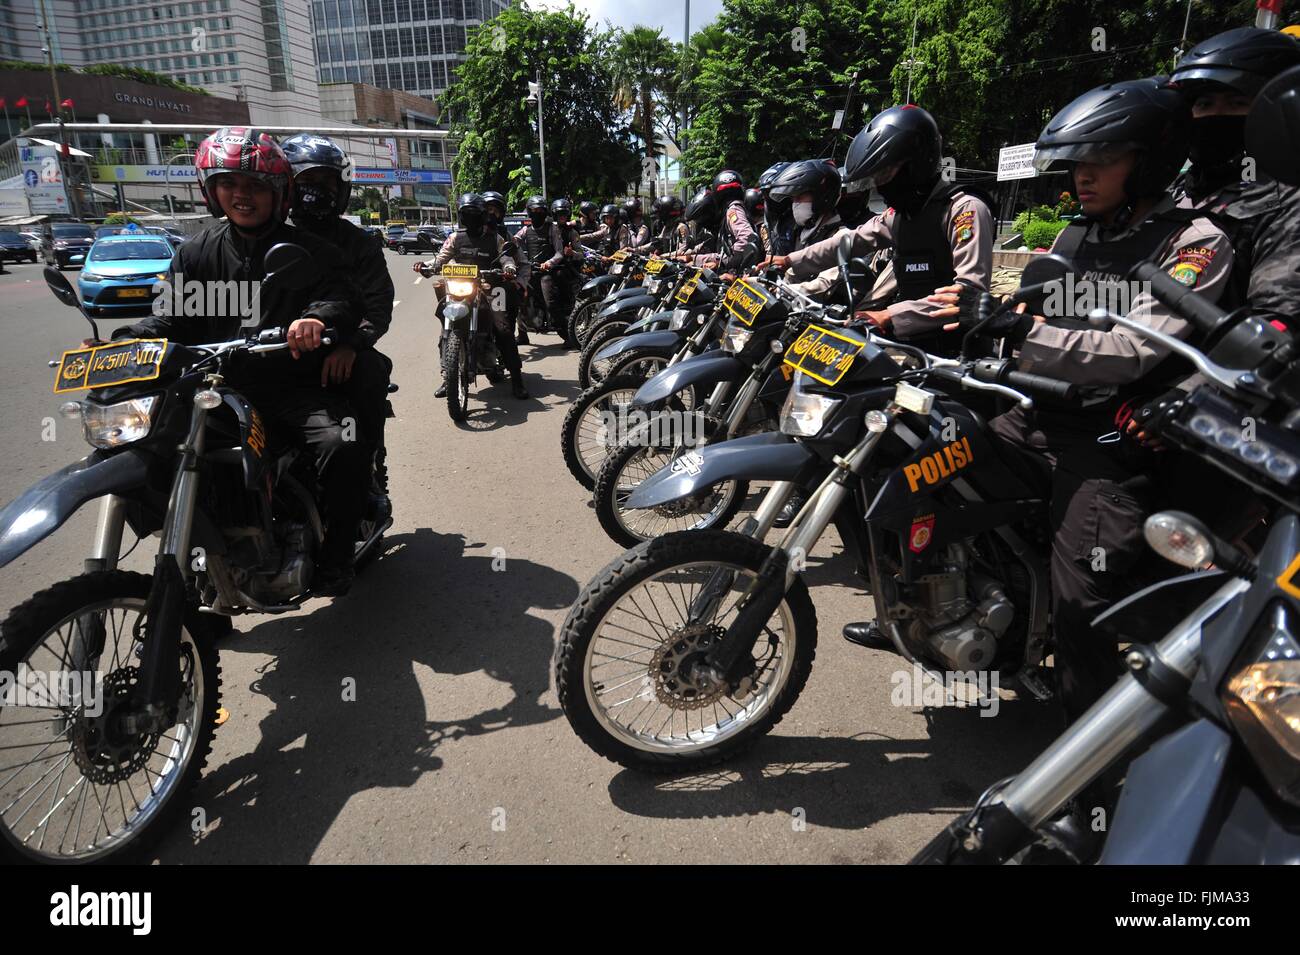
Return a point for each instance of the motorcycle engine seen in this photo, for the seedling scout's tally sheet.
(960, 614)
(286, 573)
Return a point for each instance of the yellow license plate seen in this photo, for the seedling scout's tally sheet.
(133, 293)
(823, 355)
(655, 266)
(745, 301)
(452, 271)
(118, 363)
(620, 255)
(688, 289)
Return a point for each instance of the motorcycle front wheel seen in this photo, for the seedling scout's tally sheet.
(458, 368)
(622, 666)
(77, 785)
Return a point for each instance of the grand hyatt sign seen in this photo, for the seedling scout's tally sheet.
(152, 102)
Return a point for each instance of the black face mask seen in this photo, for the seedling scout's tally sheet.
(313, 202)
(538, 219)
(1217, 140)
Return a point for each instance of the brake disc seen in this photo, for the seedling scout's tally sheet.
(673, 686)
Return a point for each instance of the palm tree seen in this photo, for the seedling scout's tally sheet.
(644, 64)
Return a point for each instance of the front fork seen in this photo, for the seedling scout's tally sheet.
(158, 691)
(726, 661)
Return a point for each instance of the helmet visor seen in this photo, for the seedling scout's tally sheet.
(1100, 154)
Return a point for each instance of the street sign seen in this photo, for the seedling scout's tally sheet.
(1016, 162)
(43, 180)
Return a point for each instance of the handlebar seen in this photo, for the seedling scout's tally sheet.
(999, 371)
(1179, 298)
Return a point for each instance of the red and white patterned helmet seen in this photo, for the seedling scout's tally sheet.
(249, 151)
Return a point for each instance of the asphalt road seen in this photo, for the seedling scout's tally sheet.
(454, 749)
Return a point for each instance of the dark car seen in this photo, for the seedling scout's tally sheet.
(423, 239)
(514, 222)
(65, 242)
(15, 248)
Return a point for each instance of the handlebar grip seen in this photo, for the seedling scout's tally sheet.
(1179, 298)
(1039, 385)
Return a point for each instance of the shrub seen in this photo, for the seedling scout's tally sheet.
(1035, 214)
(1041, 235)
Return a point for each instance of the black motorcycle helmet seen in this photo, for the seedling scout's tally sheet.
(609, 210)
(1147, 116)
(728, 187)
(755, 203)
(1243, 59)
(677, 207)
(309, 151)
(662, 208)
(817, 176)
(494, 204)
(769, 176)
(1240, 61)
(535, 207)
(1273, 127)
(561, 210)
(899, 154)
(631, 209)
(703, 209)
(470, 212)
(587, 208)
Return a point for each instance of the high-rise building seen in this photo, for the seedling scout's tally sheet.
(410, 45)
(258, 51)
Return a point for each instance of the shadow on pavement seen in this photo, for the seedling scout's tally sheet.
(854, 782)
(316, 750)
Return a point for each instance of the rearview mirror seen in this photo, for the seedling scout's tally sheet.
(58, 283)
(288, 266)
(844, 250)
(1045, 267)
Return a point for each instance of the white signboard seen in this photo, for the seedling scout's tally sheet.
(13, 202)
(1016, 162)
(43, 180)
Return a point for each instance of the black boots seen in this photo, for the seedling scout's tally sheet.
(867, 634)
(517, 388)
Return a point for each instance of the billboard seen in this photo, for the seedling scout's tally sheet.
(43, 180)
(1016, 162)
(370, 176)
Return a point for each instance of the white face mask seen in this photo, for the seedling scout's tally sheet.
(803, 212)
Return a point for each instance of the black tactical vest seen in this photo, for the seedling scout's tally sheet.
(537, 243)
(481, 250)
(922, 249)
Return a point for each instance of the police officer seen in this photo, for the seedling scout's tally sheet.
(635, 233)
(1220, 78)
(587, 217)
(1123, 144)
(604, 241)
(703, 217)
(478, 243)
(494, 208)
(562, 265)
(938, 231)
(322, 180)
(543, 245)
(738, 243)
(673, 235)
(777, 216)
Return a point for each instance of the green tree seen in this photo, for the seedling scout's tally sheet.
(644, 66)
(768, 84)
(588, 145)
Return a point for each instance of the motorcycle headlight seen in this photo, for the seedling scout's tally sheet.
(651, 286)
(616, 268)
(108, 426)
(461, 288)
(804, 415)
(679, 319)
(1263, 700)
(736, 337)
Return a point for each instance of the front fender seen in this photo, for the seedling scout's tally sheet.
(596, 286)
(657, 322)
(707, 368)
(627, 292)
(771, 456)
(41, 509)
(657, 343)
(627, 305)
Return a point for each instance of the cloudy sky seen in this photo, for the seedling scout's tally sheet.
(668, 14)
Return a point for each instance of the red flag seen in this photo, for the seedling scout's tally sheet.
(66, 104)
(22, 101)
(2, 102)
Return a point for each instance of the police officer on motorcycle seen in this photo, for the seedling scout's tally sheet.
(494, 208)
(322, 180)
(634, 234)
(673, 233)
(604, 240)
(737, 243)
(587, 217)
(937, 230)
(543, 243)
(1220, 78)
(477, 242)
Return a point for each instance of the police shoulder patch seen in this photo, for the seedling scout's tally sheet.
(963, 226)
(1190, 263)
